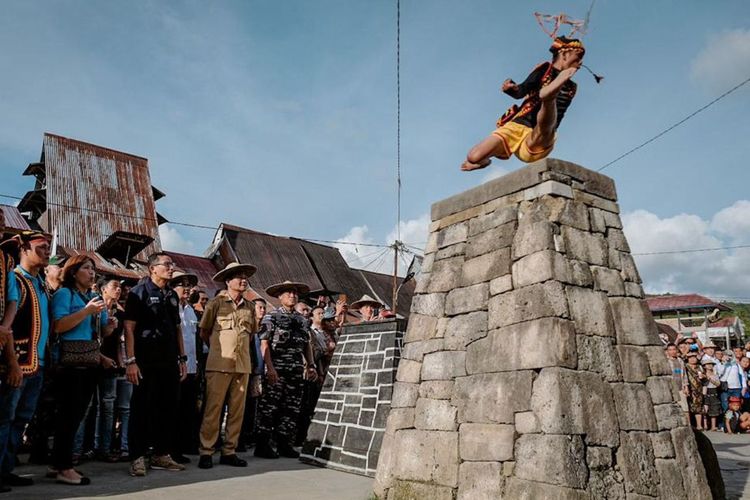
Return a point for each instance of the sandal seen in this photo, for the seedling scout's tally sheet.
(82, 481)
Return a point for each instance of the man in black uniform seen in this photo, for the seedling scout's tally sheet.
(155, 365)
(284, 340)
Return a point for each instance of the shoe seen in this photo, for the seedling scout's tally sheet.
(82, 481)
(16, 480)
(138, 467)
(264, 450)
(181, 459)
(232, 460)
(286, 450)
(165, 462)
(205, 462)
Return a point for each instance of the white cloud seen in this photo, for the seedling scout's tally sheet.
(719, 273)
(172, 240)
(724, 61)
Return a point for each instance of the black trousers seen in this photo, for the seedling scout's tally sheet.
(153, 410)
(188, 423)
(307, 411)
(75, 388)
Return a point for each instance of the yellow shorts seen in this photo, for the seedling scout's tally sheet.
(514, 138)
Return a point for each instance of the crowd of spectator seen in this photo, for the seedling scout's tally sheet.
(92, 369)
(713, 385)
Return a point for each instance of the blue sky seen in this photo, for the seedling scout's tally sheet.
(281, 116)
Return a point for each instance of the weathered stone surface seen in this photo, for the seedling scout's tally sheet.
(467, 299)
(464, 329)
(519, 489)
(539, 267)
(422, 282)
(527, 423)
(531, 302)
(432, 304)
(596, 216)
(633, 322)
(573, 402)
(451, 235)
(616, 239)
(436, 389)
(580, 274)
(486, 267)
(411, 490)
(409, 371)
(636, 460)
(445, 275)
(533, 237)
(608, 280)
(599, 457)
(415, 351)
(634, 363)
(444, 365)
(596, 201)
(429, 260)
(590, 311)
(657, 361)
(500, 216)
(689, 461)
(428, 456)
(400, 418)
(662, 444)
(501, 284)
(629, 271)
(554, 339)
(420, 327)
(635, 411)
(480, 481)
(404, 395)
(670, 485)
(485, 442)
(492, 397)
(615, 261)
(606, 483)
(560, 457)
(435, 414)
(490, 240)
(546, 188)
(597, 354)
(633, 290)
(459, 249)
(585, 246)
(663, 389)
(669, 416)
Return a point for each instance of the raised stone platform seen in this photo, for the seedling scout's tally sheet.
(531, 366)
(349, 423)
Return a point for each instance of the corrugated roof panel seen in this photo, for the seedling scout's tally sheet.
(14, 219)
(203, 268)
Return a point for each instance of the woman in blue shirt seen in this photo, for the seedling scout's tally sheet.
(78, 315)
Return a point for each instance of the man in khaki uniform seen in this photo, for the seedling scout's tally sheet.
(227, 326)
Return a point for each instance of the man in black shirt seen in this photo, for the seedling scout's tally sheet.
(529, 131)
(155, 365)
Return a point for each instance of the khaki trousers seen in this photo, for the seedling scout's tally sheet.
(220, 387)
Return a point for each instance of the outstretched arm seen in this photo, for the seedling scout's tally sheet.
(533, 82)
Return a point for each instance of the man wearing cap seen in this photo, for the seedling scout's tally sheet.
(186, 439)
(367, 307)
(285, 339)
(156, 363)
(24, 351)
(227, 326)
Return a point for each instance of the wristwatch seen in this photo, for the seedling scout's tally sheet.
(130, 361)
(182, 359)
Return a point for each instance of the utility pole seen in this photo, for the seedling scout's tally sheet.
(394, 295)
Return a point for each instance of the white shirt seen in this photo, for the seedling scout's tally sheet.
(734, 376)
(189, 325)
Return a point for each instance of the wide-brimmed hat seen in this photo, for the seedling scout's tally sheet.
(179, 276)
(709, 344)
(708, 361)
(233, 268)
(279, 288)
(365, 300)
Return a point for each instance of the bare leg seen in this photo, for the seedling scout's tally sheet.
(479, 156)
(543, 134)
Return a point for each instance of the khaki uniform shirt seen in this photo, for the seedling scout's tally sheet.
(232, 328)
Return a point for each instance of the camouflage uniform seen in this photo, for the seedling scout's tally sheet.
(288, 336)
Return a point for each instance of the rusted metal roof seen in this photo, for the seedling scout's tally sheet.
(14, 219)
(202, 267)
(683, 303)
(113, 187)
(103, 266)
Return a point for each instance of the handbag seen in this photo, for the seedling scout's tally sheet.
(82, 353)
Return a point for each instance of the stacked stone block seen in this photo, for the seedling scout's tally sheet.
(531, 365)
(349, 423)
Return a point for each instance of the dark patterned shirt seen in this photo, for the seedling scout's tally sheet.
(288, 334)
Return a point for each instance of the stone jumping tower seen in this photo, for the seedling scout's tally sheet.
(531, 366)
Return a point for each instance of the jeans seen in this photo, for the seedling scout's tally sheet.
(124, 393)
(724, 396)
(81, 432)
(105, 413)
(17, 406)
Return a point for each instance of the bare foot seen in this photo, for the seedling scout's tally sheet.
(467, 166)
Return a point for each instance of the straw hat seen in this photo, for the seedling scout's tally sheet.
(279, 288)
(178, 277)
(364, 301)
(233, 268)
